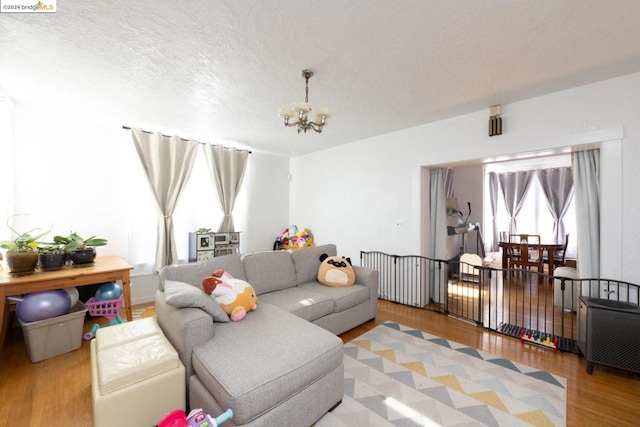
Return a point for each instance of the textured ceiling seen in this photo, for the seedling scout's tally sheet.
(220, 70)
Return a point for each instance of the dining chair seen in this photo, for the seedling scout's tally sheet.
(559, 257)
(526, 238)
(530, 256)
(515, 240)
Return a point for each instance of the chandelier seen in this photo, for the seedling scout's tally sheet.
(299, 115)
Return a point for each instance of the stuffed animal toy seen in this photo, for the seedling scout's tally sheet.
(294, 238)
(235, 296)
(336, 271)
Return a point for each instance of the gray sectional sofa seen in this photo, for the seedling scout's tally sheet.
(280, 365)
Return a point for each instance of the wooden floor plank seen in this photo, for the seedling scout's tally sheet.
(57, 391)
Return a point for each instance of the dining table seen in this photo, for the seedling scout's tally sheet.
(549, 248)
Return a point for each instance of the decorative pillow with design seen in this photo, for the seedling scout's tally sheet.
(180, 294)
(236, 297)
(336, 271)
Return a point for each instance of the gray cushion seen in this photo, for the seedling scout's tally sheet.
(180, 294)
(307, 261)
(304, 303)
(295, 354)
(193, 273)
(269, 271)
(344, 297)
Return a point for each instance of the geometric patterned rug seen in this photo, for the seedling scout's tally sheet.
(396, 375)
(141, 312)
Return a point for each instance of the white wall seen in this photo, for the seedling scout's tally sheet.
(68, 195)
(353, 195)
(266, 187)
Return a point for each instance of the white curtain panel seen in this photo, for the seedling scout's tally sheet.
(514, 187)
(167, 162)
(557, 186)
(493, 196)
(586, 177)
(227, 167)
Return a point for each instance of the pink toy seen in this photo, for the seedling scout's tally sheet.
(196, 418)
(107, 308)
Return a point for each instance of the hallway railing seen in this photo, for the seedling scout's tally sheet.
(506, 301)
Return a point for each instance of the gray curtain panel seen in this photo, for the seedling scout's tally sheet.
(493, 196)
(226, 167)
(448, 183)
(514, 187)
(557, 186)
(437, 225)
(167, 161)
(586, 177)
(437, 214)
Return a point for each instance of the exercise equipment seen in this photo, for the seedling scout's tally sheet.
(42, 305)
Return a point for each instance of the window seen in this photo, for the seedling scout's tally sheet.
(198, 207)
(6, 163)
(534, 216)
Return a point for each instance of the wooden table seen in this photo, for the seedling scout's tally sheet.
(549, 248)
(104, 269)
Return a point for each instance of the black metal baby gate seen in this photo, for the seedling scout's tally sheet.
(509, 301)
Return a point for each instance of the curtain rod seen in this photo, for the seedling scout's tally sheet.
(181, 139)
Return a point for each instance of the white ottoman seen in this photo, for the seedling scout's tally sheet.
(136, 375)
(571, 291)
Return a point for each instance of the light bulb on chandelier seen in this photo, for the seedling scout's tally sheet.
(299, 115)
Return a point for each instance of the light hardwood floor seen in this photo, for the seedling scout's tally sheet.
(56, 392)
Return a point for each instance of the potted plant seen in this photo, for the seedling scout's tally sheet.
(22, 254)
(51, 257)
(81, 251)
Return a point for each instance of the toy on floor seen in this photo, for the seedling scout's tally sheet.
(74, 295)
(196, 418)
(109, 308)
(539, 338)
(107, 291)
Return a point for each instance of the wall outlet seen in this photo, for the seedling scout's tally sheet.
(399, 223)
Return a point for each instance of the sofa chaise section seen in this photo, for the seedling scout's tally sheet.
(280, 365)
(296, 360)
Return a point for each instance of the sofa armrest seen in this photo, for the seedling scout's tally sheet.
(369, 278)
(185, 328)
